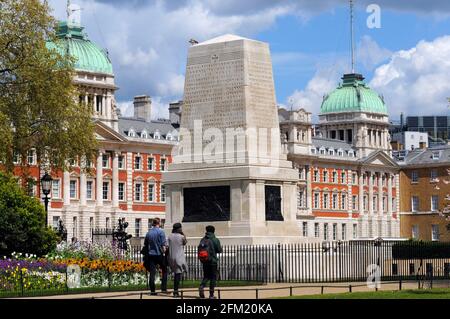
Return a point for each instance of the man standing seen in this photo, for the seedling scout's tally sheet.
(208, 249)
(155, 244)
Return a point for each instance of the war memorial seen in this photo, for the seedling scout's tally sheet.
(229, 170)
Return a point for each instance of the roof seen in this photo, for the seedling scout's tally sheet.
(224, 38)
(331, 143)
(429, 156)
(319, 143)
(353, 95)
(88, 55)
(139, 125)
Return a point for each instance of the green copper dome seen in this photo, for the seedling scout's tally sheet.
(353, 95)
(89, 56)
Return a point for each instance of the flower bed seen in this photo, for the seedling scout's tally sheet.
(99, 266)
(18, 275)
(107, 273)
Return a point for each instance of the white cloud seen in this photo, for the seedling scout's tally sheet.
(323, 82)
(125, 107)
(160, 109)
(416, 81)
(148, 40)
(369, 54)
(329, 70)
(145, 58)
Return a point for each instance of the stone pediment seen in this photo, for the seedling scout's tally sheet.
(105, 133)
(379, 158)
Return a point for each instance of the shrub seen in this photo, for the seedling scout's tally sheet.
(22, 221)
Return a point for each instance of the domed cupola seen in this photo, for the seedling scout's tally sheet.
(94, 72)
(356, 114)
(88, 55)
(353, 95)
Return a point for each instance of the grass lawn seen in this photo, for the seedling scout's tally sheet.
(437, 293)
(53, 292)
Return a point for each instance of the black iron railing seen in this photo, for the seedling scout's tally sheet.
(348, 261)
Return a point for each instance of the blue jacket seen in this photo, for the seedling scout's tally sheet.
(155, 240)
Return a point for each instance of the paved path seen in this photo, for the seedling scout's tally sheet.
(246, 292)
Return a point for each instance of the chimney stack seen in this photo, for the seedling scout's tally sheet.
(143, 107)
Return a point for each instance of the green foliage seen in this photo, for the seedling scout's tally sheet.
(22, 221)
(436, 293)
(39, 105)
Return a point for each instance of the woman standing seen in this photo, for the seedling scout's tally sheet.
(177, 258)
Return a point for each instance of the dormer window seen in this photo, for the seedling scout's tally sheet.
(131, 133)
(340, 152)
(331, 152)
(351, 153)
(322, 151)
(169, 137)
(435, 155)
(157, 135)
(144, 134)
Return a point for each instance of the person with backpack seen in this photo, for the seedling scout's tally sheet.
(177, 258)
(155, 246)
(207, 252)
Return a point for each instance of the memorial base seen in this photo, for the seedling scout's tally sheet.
(253, 210)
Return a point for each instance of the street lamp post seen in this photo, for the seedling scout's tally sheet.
(46, 184)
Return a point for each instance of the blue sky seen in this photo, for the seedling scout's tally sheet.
(407, 60)
(328, 34)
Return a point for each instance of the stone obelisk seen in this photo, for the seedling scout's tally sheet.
(228, 170)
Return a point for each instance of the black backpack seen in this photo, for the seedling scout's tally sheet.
(205, 250)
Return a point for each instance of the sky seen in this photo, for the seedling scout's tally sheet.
(405, 56)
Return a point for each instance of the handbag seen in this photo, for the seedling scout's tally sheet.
(144, 252)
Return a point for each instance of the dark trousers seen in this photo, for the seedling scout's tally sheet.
(154, 261)
(176, 281)
(209, 274)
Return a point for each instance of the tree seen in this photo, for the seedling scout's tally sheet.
(445, 212)
(39, 107)
(22, 221)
